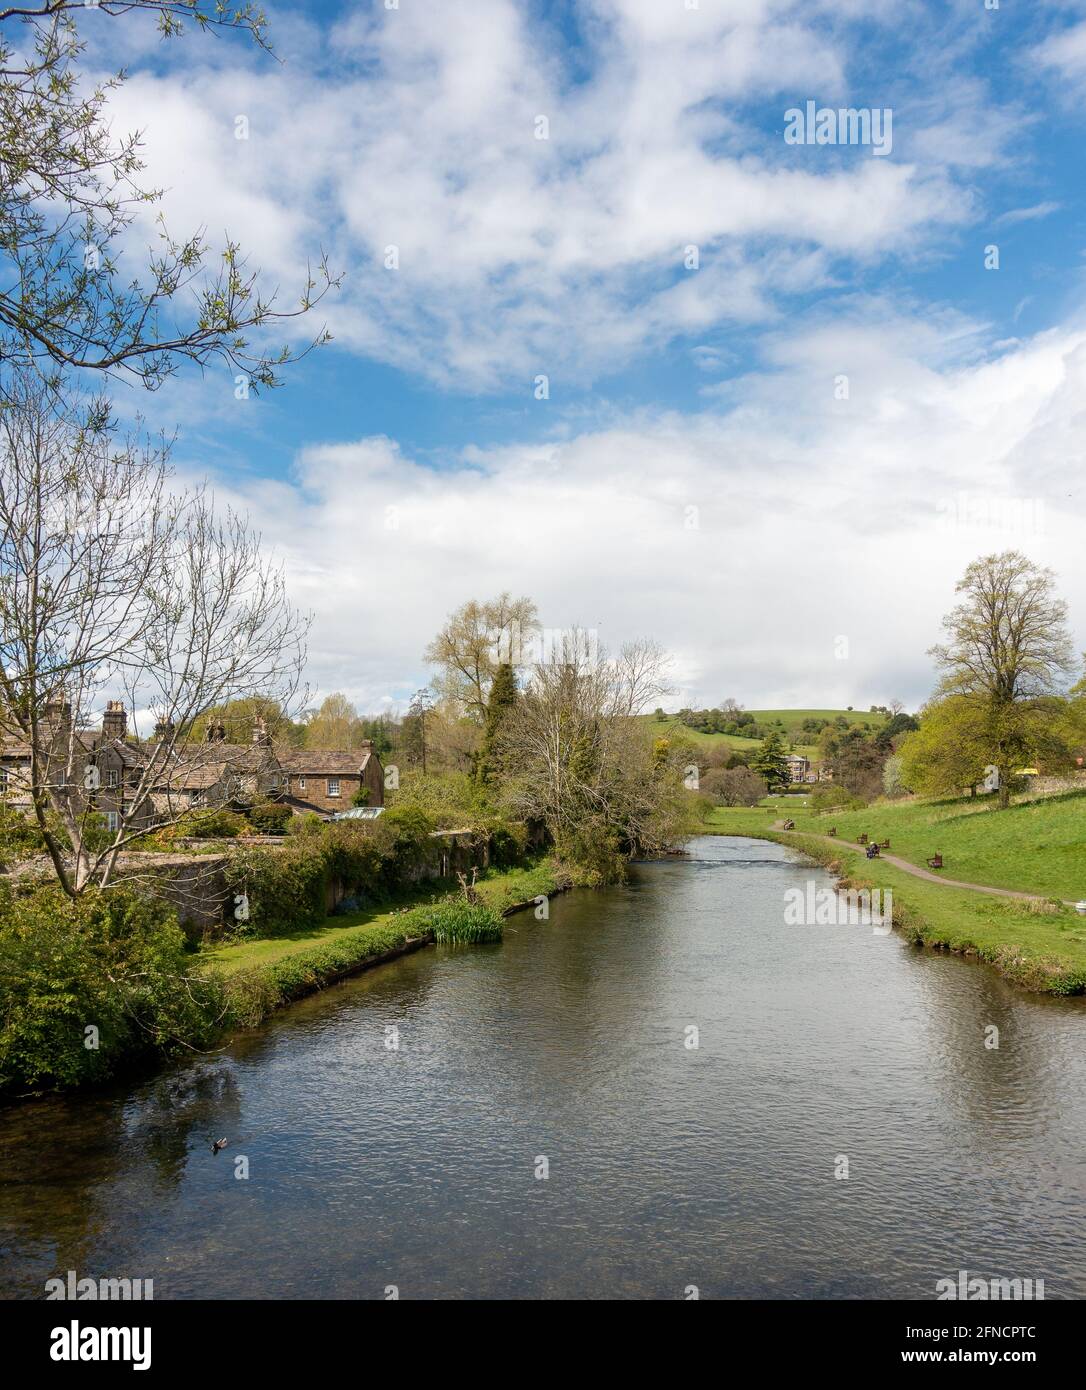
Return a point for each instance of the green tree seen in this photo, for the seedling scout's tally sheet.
(503, 699)
(770, 762)
(474, 642)
(335, 725)
(1007, 651)
(69, 192)
(948, 752)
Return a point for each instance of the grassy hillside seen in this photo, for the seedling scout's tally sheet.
(791, 720)
(1037, 846)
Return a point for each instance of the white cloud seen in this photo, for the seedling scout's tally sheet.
(1064, 53)
(816, 519)
(416, 128)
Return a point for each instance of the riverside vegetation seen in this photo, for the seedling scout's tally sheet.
(93, 986)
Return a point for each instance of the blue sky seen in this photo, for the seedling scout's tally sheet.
(410, 465)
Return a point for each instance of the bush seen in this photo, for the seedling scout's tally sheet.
(306, 825)
(270, 817)
(508, 843)
(199, 825)
(114, 962)
(828, 797)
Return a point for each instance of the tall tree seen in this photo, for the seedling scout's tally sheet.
(502, 701)
(578, 760)
(476, 639)
(1007, 654)
(770, 762)
(335, 725)
(416, 730)
(69, 192)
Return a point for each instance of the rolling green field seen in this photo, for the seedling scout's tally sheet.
(791, 719)
(1036, 846)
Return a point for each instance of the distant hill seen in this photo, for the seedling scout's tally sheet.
(790, 723)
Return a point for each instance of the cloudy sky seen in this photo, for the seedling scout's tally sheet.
(606, 337)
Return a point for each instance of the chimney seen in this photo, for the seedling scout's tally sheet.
(57, 717)
(164, 728)
(114, 721)
(365, 745)
(260, 731)
(216, 733)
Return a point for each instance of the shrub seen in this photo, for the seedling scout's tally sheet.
(270, 816)
(306, 825)
(828, 797)
(112, 961)
(218, 824)
(508, 843)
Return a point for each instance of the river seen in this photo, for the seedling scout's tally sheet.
(565, 1051)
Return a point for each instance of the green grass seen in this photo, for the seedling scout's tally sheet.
(1036, 846)
(498, 889)
(660, 728)
(1042, 950)
(791, 719)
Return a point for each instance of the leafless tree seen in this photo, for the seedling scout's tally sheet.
(583, 766)
(113, 585)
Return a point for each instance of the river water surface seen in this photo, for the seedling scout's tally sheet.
(564, 1050)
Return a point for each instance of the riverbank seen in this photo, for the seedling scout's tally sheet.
(1038, 945)
(1037, 845)
(263, 974)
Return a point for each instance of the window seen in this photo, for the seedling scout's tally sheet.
(333, 786)
(111, 777)
(112, 820)
(3, 781)
(301, 784)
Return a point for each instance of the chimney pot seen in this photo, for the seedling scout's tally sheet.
(115, 720)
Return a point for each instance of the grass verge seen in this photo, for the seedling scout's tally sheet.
(262, 975)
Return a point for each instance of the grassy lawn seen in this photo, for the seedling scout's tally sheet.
(499, 889)
(1037, 846)
(1043, 951)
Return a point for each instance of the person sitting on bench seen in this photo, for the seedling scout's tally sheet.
(789, 825)
(872, 850)
(832, 831)
(936, 861)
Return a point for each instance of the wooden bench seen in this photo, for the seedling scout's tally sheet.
(832, 832)
(885, 844)
(935, 862)
(789, 825)
(862, 839)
